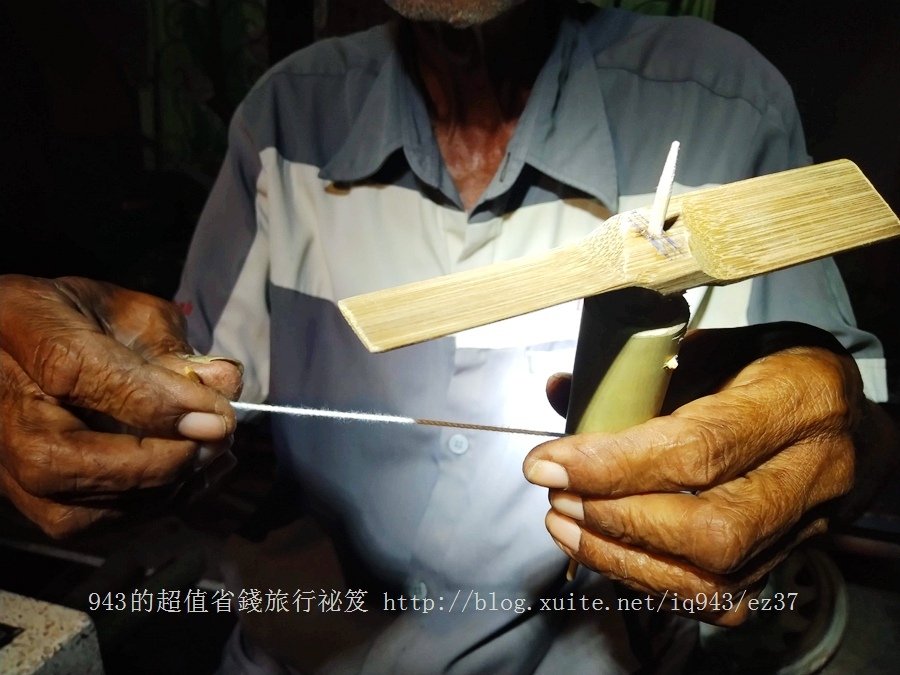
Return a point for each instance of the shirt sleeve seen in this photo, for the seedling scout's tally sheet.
(813, 293)
(223, 289)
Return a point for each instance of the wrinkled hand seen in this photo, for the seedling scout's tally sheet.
(96, 410)
(709, 498)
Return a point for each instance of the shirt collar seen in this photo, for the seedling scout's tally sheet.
(378, 128)
(563, 131)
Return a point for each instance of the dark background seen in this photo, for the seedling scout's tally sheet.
(87, 188)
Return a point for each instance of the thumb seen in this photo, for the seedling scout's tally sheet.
(148, 325)
(559, 386)
(155, 328)
(94, 346)
(219, 372)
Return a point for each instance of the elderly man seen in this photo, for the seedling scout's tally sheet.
(463, 134)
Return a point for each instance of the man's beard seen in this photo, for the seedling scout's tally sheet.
(459, 13)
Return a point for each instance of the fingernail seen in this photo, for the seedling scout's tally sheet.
(205, 455)
(568, 504)
(565, 531)
(201, 426)
(203, 358)
(548, 474)
(556, 378)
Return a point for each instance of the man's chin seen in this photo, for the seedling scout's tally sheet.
(457, 13)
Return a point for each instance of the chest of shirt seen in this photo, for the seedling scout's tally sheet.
(332, 242)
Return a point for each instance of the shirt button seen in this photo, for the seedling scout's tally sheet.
(458, 444)
(417, 589)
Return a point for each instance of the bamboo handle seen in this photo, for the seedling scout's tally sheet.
(627, 348)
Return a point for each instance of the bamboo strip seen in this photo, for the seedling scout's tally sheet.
(722, 234)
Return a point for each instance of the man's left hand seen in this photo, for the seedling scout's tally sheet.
(708, 499)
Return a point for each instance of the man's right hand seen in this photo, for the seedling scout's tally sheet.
(101, 405)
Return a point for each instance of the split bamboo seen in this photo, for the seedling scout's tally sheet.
(627, 349)
(715, 236)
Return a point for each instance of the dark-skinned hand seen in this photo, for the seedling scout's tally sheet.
(761, 447)
(102, 408)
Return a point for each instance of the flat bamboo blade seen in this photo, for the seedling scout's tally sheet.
(768, 223)
(721, 235)
(432, 308)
